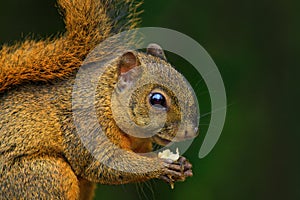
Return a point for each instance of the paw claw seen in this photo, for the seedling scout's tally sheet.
(188, 173)
(176, 171)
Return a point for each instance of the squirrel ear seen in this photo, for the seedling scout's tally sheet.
(129, 73)
(156, 50)
(127, 62)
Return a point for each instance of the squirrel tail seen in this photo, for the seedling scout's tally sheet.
(98, 18)
(88, 22)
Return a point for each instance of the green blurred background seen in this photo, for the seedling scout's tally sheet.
(255, 44)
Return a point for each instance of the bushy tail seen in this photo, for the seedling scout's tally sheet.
(98, 19)
(88, 22)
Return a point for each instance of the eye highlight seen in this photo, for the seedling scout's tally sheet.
(158, 100)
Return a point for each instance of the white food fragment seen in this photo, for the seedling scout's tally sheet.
(167, 154)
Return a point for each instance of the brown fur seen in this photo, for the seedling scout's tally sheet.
(41, 154)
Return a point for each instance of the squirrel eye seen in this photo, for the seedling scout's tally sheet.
(158, 100)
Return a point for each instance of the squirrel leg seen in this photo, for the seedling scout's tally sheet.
(41, 177)
(130, 167)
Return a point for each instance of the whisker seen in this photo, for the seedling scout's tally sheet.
(143, 192)
(137, 186)
(216, 110)
(149, 186)
(198, 83)
(202, 79)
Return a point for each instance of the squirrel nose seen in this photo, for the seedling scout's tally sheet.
(196, 130)
(190, 133)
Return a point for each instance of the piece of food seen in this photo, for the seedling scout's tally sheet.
(167, 154)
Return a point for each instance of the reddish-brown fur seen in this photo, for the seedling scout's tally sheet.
(87, 24)
(41, 155)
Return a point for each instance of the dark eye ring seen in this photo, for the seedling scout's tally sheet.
(158, 100)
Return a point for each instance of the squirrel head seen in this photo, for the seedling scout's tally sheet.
(152, 100)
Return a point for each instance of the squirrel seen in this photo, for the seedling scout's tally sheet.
(41, 154)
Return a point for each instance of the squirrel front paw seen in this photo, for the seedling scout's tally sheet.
(176, 170)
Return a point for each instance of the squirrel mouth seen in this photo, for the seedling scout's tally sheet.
(161, 141)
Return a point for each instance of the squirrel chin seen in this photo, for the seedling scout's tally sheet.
(164, 142)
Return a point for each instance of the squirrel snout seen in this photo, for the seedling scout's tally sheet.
(190, 133)
(187, 132)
